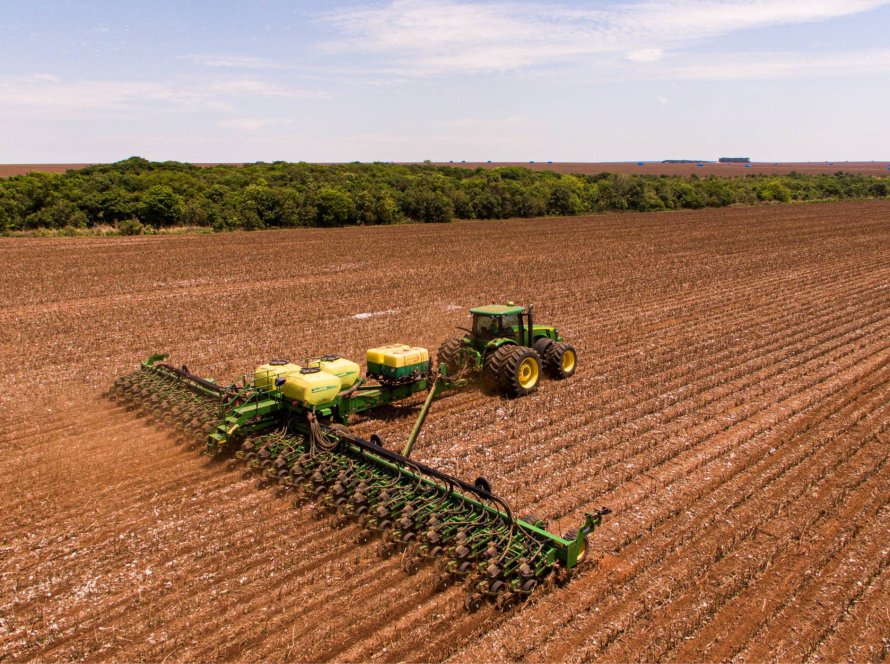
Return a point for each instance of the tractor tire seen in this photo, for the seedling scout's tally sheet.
(449, 355)
(542, 345)
(494, 366)
(561, 360)
(519, 370)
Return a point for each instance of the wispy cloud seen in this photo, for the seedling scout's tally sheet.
(252, 86)
(428, 37)
(251, 124)
(508, 122)
(43, 76)
(646, 55)
(43, 92)
(236, 61)
(46, 92)
(780, 65)
(696, 19)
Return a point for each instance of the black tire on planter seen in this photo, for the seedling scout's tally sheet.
(572, 535)
(532, 519)
(561, 360)
(519, 362)
(450, 356)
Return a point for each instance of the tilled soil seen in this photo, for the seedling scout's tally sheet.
(732, 406)
(877, 168)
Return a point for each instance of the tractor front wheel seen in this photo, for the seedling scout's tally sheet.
(516, 370)
(451, 357)
(561, 360)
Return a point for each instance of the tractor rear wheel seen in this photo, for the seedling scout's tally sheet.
(518, 370)
(542, 345)
(450, 356)
(561, 360)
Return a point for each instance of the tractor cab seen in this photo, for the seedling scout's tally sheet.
(498, 321)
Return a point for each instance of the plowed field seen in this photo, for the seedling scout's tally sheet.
(878, 168)
(732, 406)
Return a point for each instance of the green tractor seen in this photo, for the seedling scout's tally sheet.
(509, 350)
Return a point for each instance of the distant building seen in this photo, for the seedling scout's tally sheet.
(734, 160)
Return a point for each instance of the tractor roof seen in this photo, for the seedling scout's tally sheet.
(498, 310)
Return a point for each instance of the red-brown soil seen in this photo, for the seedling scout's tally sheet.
(732, 406)
(880, 168)
(8, 170)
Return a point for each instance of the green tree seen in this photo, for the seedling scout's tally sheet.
(689, 196)
(386, 209)
(60, 213)
(110, 206)
(334, 207)
(422, 204)
(265, 201)
(774, 190)
(197, 211)
(564, 199)
(6, 221)
(487, 205)
(161, 206)
(282, 194)
(880, 189)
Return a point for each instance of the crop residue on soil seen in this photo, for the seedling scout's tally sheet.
(732, 405)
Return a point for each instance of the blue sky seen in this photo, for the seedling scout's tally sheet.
(407, 80)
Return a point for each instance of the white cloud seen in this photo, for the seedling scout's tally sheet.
(424, 36)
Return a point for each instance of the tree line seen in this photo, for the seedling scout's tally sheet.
(137, 196)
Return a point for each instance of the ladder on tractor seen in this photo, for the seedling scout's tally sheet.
(247, 404)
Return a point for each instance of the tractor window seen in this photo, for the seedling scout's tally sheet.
(510, 325)
(487, 327)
